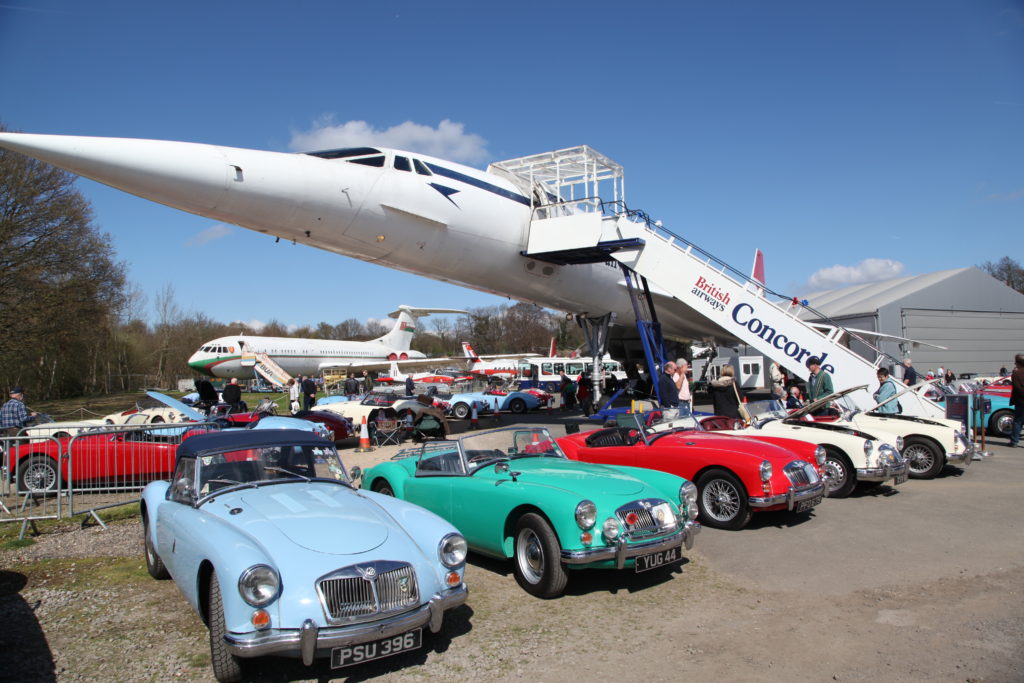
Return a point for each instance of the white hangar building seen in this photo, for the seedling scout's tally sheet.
(977, 318)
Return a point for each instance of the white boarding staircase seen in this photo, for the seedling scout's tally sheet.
(266, 367)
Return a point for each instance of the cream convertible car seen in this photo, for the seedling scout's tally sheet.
(853, 453)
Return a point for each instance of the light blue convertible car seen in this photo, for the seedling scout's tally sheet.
(281, 555)
(460, 405)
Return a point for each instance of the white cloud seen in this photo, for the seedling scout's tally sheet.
(868, 270)
(214, 232)
(448, 141)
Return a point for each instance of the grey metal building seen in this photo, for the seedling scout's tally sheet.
(977, 318)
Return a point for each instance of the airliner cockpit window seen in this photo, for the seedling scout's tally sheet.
(368, 161)
(421, 168)
(402, 164)
(344, 153)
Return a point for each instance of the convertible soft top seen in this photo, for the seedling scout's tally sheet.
(246, 438)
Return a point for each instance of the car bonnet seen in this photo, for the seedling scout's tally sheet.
(325, 518)
(579, 477)
(726, 444)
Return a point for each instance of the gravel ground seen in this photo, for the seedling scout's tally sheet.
(920, 583)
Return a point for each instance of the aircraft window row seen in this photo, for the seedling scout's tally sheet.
(215, 349)
(345, 153)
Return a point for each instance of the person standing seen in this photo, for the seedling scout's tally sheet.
(351, 386)
(410, 386)
(308, 392)
(683, 386)
(293, 395)
(367, 382)
(886, 389)
(1016, 399)
(583, 395)
(14, 415)
(668, 392)
(778, 379)
(819, 384)
(725, 398)
(909, 373)
(232, 395)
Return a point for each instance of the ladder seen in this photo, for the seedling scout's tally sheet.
(267, 368)
(745, 308)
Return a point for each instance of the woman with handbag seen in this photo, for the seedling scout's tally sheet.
(724, 394)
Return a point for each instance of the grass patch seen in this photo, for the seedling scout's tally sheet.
(16, 543)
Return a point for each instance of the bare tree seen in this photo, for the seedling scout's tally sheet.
(1007, 271)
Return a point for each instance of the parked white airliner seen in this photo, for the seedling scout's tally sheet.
(235, 355)
(400, 209)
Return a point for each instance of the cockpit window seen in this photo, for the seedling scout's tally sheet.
(368, 161)
(344, 153)
(421, 168)
(402, 164)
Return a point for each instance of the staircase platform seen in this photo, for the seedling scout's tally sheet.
(598, 253)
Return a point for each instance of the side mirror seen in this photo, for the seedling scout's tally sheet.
(355, 472)
(501, 468)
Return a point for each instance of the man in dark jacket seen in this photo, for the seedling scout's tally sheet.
(232, 395)
(308, 393)
(668, 392)
(1017, 399)
(351, 386)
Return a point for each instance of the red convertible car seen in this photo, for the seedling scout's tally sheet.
(132, 457)
(735, 476)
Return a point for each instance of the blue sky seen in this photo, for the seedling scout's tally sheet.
(846, 140)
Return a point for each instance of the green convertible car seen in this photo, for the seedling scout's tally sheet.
(513, 494)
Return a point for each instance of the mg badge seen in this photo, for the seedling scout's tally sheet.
(403, 584)
(368, 572)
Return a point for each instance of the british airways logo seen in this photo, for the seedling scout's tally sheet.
(710, 293)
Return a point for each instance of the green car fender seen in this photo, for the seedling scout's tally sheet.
(396, 474)
(668, 485)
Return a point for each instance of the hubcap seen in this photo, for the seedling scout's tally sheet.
(721, 500)
(530, 555)
(1004, 424)
(835, 474)
(919, 457)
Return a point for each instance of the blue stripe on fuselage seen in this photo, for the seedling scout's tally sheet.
(482, 184)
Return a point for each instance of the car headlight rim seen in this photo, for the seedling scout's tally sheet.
(586, 514)
(819, 455)
(766, 470)
(869, 447)
(688, 499)
(610, 529)
(452, 550)
(259, 585)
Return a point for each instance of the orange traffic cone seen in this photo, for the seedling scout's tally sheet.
(473, 422)
(364, 438)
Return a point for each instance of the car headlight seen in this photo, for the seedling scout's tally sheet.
(688, 499)
(819, 455)
(899, 443)
(766, 470)
(586, 514)
(452, 550)
(259, 585)
(887, 455)
(869, 447)
(610, 530)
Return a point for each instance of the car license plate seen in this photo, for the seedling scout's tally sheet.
(655, 560)
(807, 504)
(385, 647)
(900, 478)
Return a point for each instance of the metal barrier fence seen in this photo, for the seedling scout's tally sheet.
(92, 470)
(18, 501)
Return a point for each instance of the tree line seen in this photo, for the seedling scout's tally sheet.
(73, 325)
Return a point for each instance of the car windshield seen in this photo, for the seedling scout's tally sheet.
(277, 463)
(510, 444)
(379, 400)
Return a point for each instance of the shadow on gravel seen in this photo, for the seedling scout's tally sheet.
(491, 564)
(615, 581)
(776, 519)
(280, 669)
(24, 653)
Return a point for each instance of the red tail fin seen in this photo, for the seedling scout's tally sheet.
(553, 349)
(757, 273)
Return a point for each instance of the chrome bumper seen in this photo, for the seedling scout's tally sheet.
(790, 497)
(622, 551)
(961, 458)
(881, 473)
(305, 641)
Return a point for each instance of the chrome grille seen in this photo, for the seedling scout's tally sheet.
(645, 524)
(367, 589)
(801, 473)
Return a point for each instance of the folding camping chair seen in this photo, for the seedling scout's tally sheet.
(387, 431)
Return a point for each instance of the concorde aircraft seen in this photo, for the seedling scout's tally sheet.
(404, 210)
(234, 355)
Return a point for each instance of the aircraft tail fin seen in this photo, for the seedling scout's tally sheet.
(553, 349)
(468, 352)
(400, 336)
(757, 272)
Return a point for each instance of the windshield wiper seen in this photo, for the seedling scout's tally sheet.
(274, 468)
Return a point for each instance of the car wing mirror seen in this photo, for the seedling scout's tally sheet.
(355, 472)
(503, 468)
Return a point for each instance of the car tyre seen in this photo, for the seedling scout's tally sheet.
(722, 500)
(517, 405)
(1001, 423)
(924, 459)
(383, 486)
(37, 474)
(154, 565)
(537, 558)
(840, 476)
(227, 668)
(460, 410)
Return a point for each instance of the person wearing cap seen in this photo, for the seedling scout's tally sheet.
(14, 415)
(819, 384)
